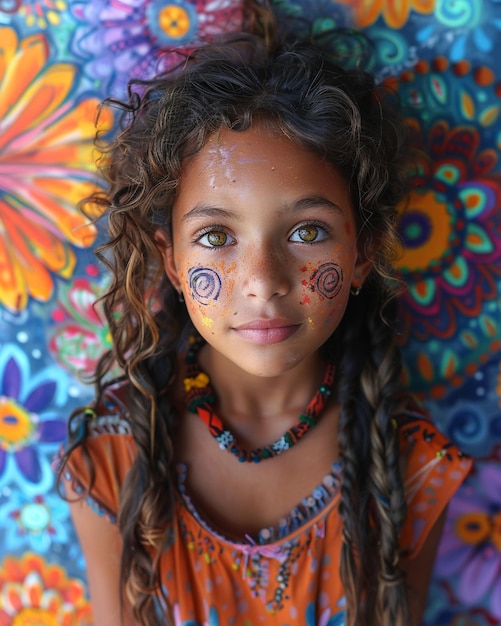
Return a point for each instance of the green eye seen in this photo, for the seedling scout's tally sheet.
(307, 233)
(217, 238)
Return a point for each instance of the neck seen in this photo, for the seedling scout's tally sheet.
(244, 397)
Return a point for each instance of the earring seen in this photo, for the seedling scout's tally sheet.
(355, 290)
(180, 296)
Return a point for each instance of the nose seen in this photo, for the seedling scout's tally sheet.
(266, 273)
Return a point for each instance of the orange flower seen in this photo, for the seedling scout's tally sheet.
(394, 12)
(35, 592)
(47, 165)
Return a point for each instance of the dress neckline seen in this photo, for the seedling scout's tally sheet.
(308, 511)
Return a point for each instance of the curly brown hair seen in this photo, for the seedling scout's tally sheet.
(329, 106)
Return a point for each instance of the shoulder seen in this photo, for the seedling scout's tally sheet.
(98, 467)
(433, 468)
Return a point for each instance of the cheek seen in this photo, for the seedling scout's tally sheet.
(323, 283)
(209, 286)
(204, 284)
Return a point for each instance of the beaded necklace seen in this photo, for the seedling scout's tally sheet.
(200, 398)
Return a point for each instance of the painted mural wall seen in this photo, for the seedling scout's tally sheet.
(58, 59)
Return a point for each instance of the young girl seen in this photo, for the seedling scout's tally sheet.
(257, 463)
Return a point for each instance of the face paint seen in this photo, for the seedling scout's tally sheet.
(264, 295)
(205, 284)
(327, 280)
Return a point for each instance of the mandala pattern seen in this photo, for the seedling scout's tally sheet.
(451, 227)
(46, 168)
(469, 414)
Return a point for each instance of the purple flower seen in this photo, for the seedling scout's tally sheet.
(471, 544)
(135, 39)
(29, 426)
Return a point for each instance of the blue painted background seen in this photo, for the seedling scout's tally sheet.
(58, 59)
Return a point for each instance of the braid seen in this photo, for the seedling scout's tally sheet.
(379, 382)
(147, 509)
(369, 370)
(145, 517)
(353, 441)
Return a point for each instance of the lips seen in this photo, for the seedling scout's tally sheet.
(266, 331)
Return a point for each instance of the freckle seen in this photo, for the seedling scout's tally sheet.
(304, 268)
(305, 300)
(304, 283)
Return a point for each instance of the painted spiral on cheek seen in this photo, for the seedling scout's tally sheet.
(327, 280)
(205, 284)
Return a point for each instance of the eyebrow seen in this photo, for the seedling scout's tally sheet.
(205, 210)
(314, 202)
(302, 204)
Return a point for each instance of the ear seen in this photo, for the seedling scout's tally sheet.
(166, 249)
(362, 269)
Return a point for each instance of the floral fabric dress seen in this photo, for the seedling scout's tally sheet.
(287, 575)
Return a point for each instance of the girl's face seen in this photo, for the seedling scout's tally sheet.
(264, 249)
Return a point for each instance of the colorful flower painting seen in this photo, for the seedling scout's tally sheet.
(58, 60)
(451, 226)
(451, 230)
(394, 14)
(35, 592)
(40, 14)
(32, 424)
(80, 335)
(471, 547)
(46, 167)
(34, 522)
(135, 39)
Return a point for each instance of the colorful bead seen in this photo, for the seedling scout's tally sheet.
(201, 399)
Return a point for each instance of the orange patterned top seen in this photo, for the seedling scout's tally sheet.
(289, 574)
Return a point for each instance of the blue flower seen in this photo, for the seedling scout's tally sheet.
(30, 427)
(474, 26)
(34, 523)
